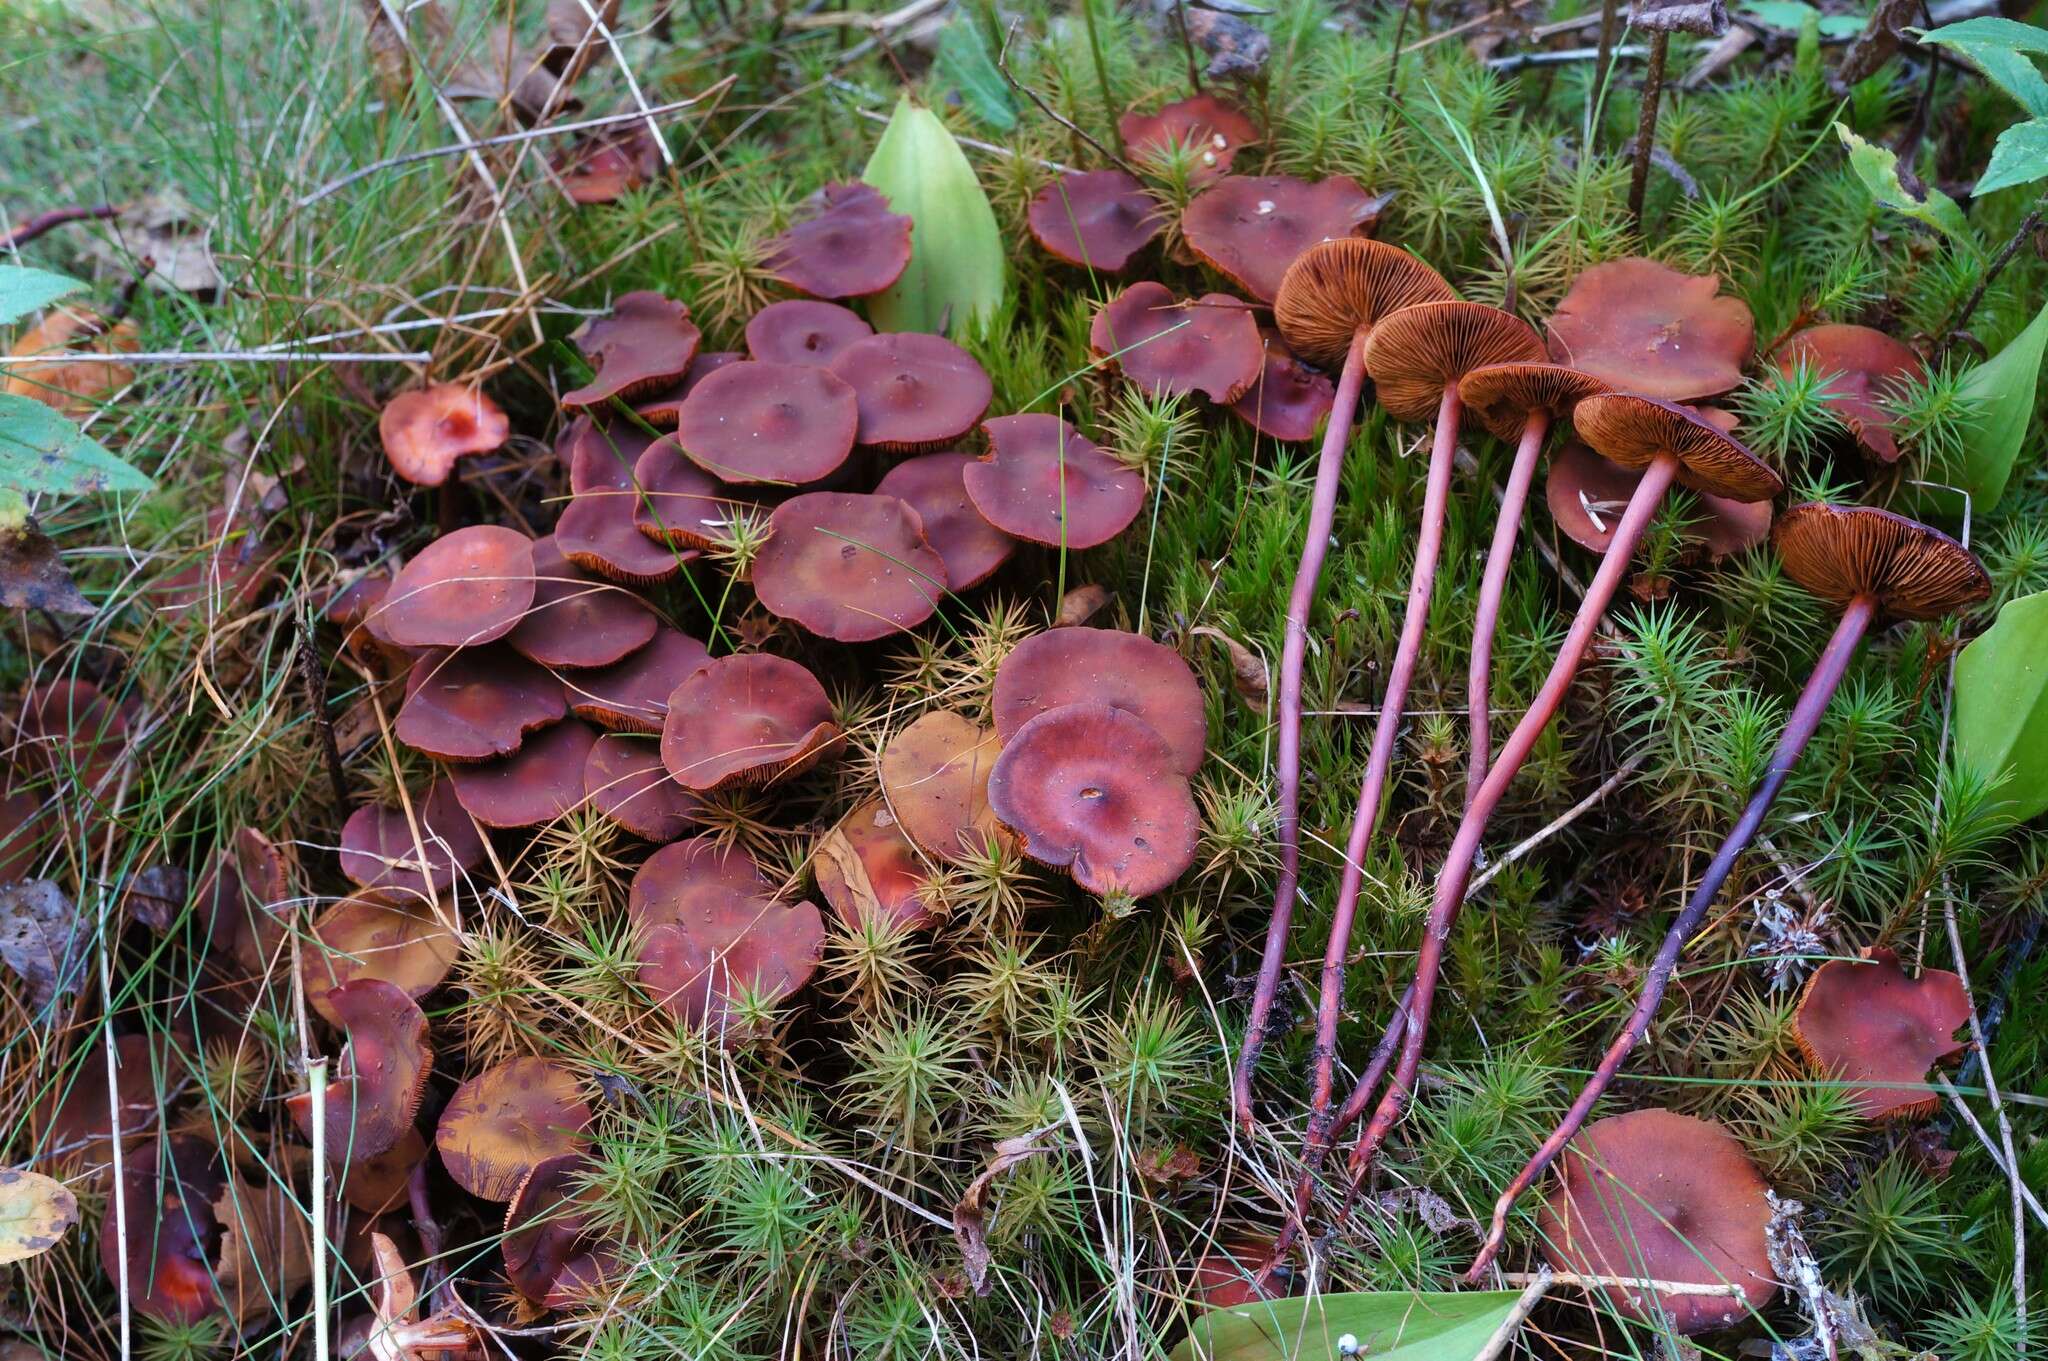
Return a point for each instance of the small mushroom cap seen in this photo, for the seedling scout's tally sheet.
(914, 391)
(603, 166)
(680, 504)
(1250, 228)
(1869, 1024)
(1658, 1195)
(410, 948)
(1633, 431)
(476, 703)
(576, 620)
(427, 429)
(1501, 396)
(867, 867)
(846, 245)
(803, 331)
(849, 567)
(645, 345)
(598, 532)
(1097, 219)
(1289, 400)
(1210, 346)
(378, 852)
(506, 1120)
(1104, 666)
(382, 1075)
(1645, 327)
(1336, 289)
(935, 486)
(377, 1184)
(1862, 367)
(1587, 494)
(540, 782)
(759, 422)
(546, 1224)
(1913, 571)
(1214, 128)
(168, 1192)
(624, 779)
(660, 411)
(601, 455)
(632, 695)
(464, 589)
(749, 719)
(1095, 791)
(934, 775)
(1418, 352)
(1042, 481)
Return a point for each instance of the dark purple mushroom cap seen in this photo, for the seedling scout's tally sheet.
(781, 423)
(597, 532)
(849, 567)
(476, 703)
(748, 719)
(645, 345)
(660, 410)
(377, 1086)
(680, 504)
(577, 620)
(169, 1194)
(804, 331)
(846, 244)
(914, 391)
(1214, 127)
(507, 1120)
(866, 867)
(378, 852)
(540, 782)
(1862, 367)
(1644, 327)
(464, 589)
(1250, 228)
(547, 1225)
(1210, 346)
(406, 945)
(624, 779)
(1044, 482)
(1097, 219)
(1290, 400)
(632, 695)
(936, 488)
(1104, 666)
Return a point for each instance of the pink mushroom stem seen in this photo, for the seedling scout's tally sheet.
(1799, 729)
(1507, 527)
(1457, 867)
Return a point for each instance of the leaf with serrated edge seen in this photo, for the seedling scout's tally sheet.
(40, 451)
(24, 290)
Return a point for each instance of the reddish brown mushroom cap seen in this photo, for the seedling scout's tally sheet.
(1210, 346)
(1861, 367)
(1913, 572)
(598, 532)
(378, 852)
(464, 589)
(1104, 666)
(427, 429)
(934, 776)
(645, 345)
(577, 620)
(849, 567)
(168, 1191)
(935, 486)
(476, 703)
(1633, 431)
(1501, 396)
(867, 868)
(377, 1184)
(1587, 494)
(601, 455)
(661, 411)
(382, 1075)
(603, 166)
(1645, 327)
(1250, 228)
(1097, 219)
(1044, 482)
(632, 696)
(68, 727)
(1662, 1196)
(1213, 128)
(624, 779)
(1289, 400)
(680, 504)
(540, 782)
(847, 244)
(1336, 290)
(757, 422)
(914, 391)
(547, 1225)
(410, 948)
(752, 719)
(1872, 1026)
(1418, 352)
(74, 1121)
(506, 1120)
(803, 331)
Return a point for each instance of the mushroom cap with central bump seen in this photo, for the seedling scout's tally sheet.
(506, 1120)
(407, 946)
(848, 567)
(576, 620)
(1418, 352)
(1501, 396)
(759, 422)
(1104, 666)
(601, 456)
(1214, 128)
(1289, 400)
(1044, 482)
(464, 589)
(1634, 431)
(1097, 219)
(425, 430)
(914, 391)
(383, 1072)
(935, 486)
(476, 703)
(1095, 791)
(624, 779)
(866, 867)
(847, 244)
(1210, 346)
(748, 719)
(1645, 327)
(1336, 289)
(632, 695)
(803, 331)
(1666, 1197)
(1869, 1024)
(643, 346)
(540, 782)
(1860, 368)
(378, 853)
(1250, 228)
(680, 504)
(934, 775)
(1913, 571)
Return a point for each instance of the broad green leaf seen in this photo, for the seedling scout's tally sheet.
(1999, 48)
(2001, 391)
(2020, 156)
(2002, 706)
(956, 252)
(24, 290)
(963, 61)
(35, 1214)
(1385, 1325)
(1793, 15)
(40, 451)
(1878, 168)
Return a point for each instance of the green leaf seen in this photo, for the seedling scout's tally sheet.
(1793, 15)
(1878, 168)
(2020, 156)
(2002, 706)
(1998, 48)
(24, 290)
(963, 61)
(40, 451)
(956, 252)
(1386, 1325)
(2001, 391)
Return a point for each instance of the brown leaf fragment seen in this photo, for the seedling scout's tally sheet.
(970, 1214)
(168, 233)
(1165, 1165)
(156, 894)
(265, 1253)
(1248, 675)
(32, 574)
(1080, 605)
(42, 938)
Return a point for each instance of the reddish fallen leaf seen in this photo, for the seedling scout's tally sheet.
(1248, 675)
(32, 575)
(970, 1215)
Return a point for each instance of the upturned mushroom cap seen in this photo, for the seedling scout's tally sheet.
(759, 422)
(1587, 494)
(1871, 1025)
(914, 391)
(624, 779)
(934, 776)
(1501, 396)
(576, 620)
(645, 345)
(1336, 289)
(1861, 367)
(378, 853)
(410, 948)
(464, 589)
(602, 167)
(1210, 346)
(1913, 571)
(506, 1120)
(935, 486)
(866, 867)
(1418, 352)
(1097, 219)
(476, 703)
(376, 1091)
(849, 567)
(540, 782)
(425, 430)
(1095, 791)
(1645, 327)
(1104, 666)
(1250, 228)
(1633, 431)
(1042, 481)
(803, 331)
(748, 719)
(598, 532)
(1290, 400)
(165, 1257)
(1662, 1196)
(632, 695)
(1214, 128)
(679, 504)
(846, 244)
(547, 1225)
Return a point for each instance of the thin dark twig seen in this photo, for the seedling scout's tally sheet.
(1003, 66)
(1997, 267)
(56, 217)
(1187, 43)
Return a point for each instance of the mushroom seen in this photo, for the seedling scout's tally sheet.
(1250, 228)
(1289, 400)
(867, 868)
(643, 346)
(1861, 367)
(600, 455)
(1210, 346)
(506, 1121)
(376, 1089)
(1870, 1024)
(425, 430)
(476, 703)
(632, 695)
(848, 567)
(761, 422)
(599, 532)
(1043, 482)
(464, 589)
(540, 782)
(168, 1191)
(1644, 327)
(847, 244)
(1213, 128)
(603, 166)
(575, 620)
(915, 392)
(748, 719)
(803, 331)
(1586, 495)
(680, 504)
(75, 1122)
(380, 855)
(548, 1242)
(660, 412)
(935, 486)
(361, 938)
(1871, 564)
(624, 779)
(1104, 666)
(240, 909)
(379, 1184)
(1095, 791)
(934, 774)
(1097, 219)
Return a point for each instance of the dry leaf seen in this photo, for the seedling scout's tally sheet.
(395, 1336)
(970, 1226)
(1248, 675)
(42, 938)
(1236, 50)
(1166, 1166)
(74, 389)
(164, 230)
(265, 1253)
(156, 894)
(35, 1213)
(1080, 605)
(32, 574)
(836, 850)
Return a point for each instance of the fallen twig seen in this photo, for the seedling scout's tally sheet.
(56, 217)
